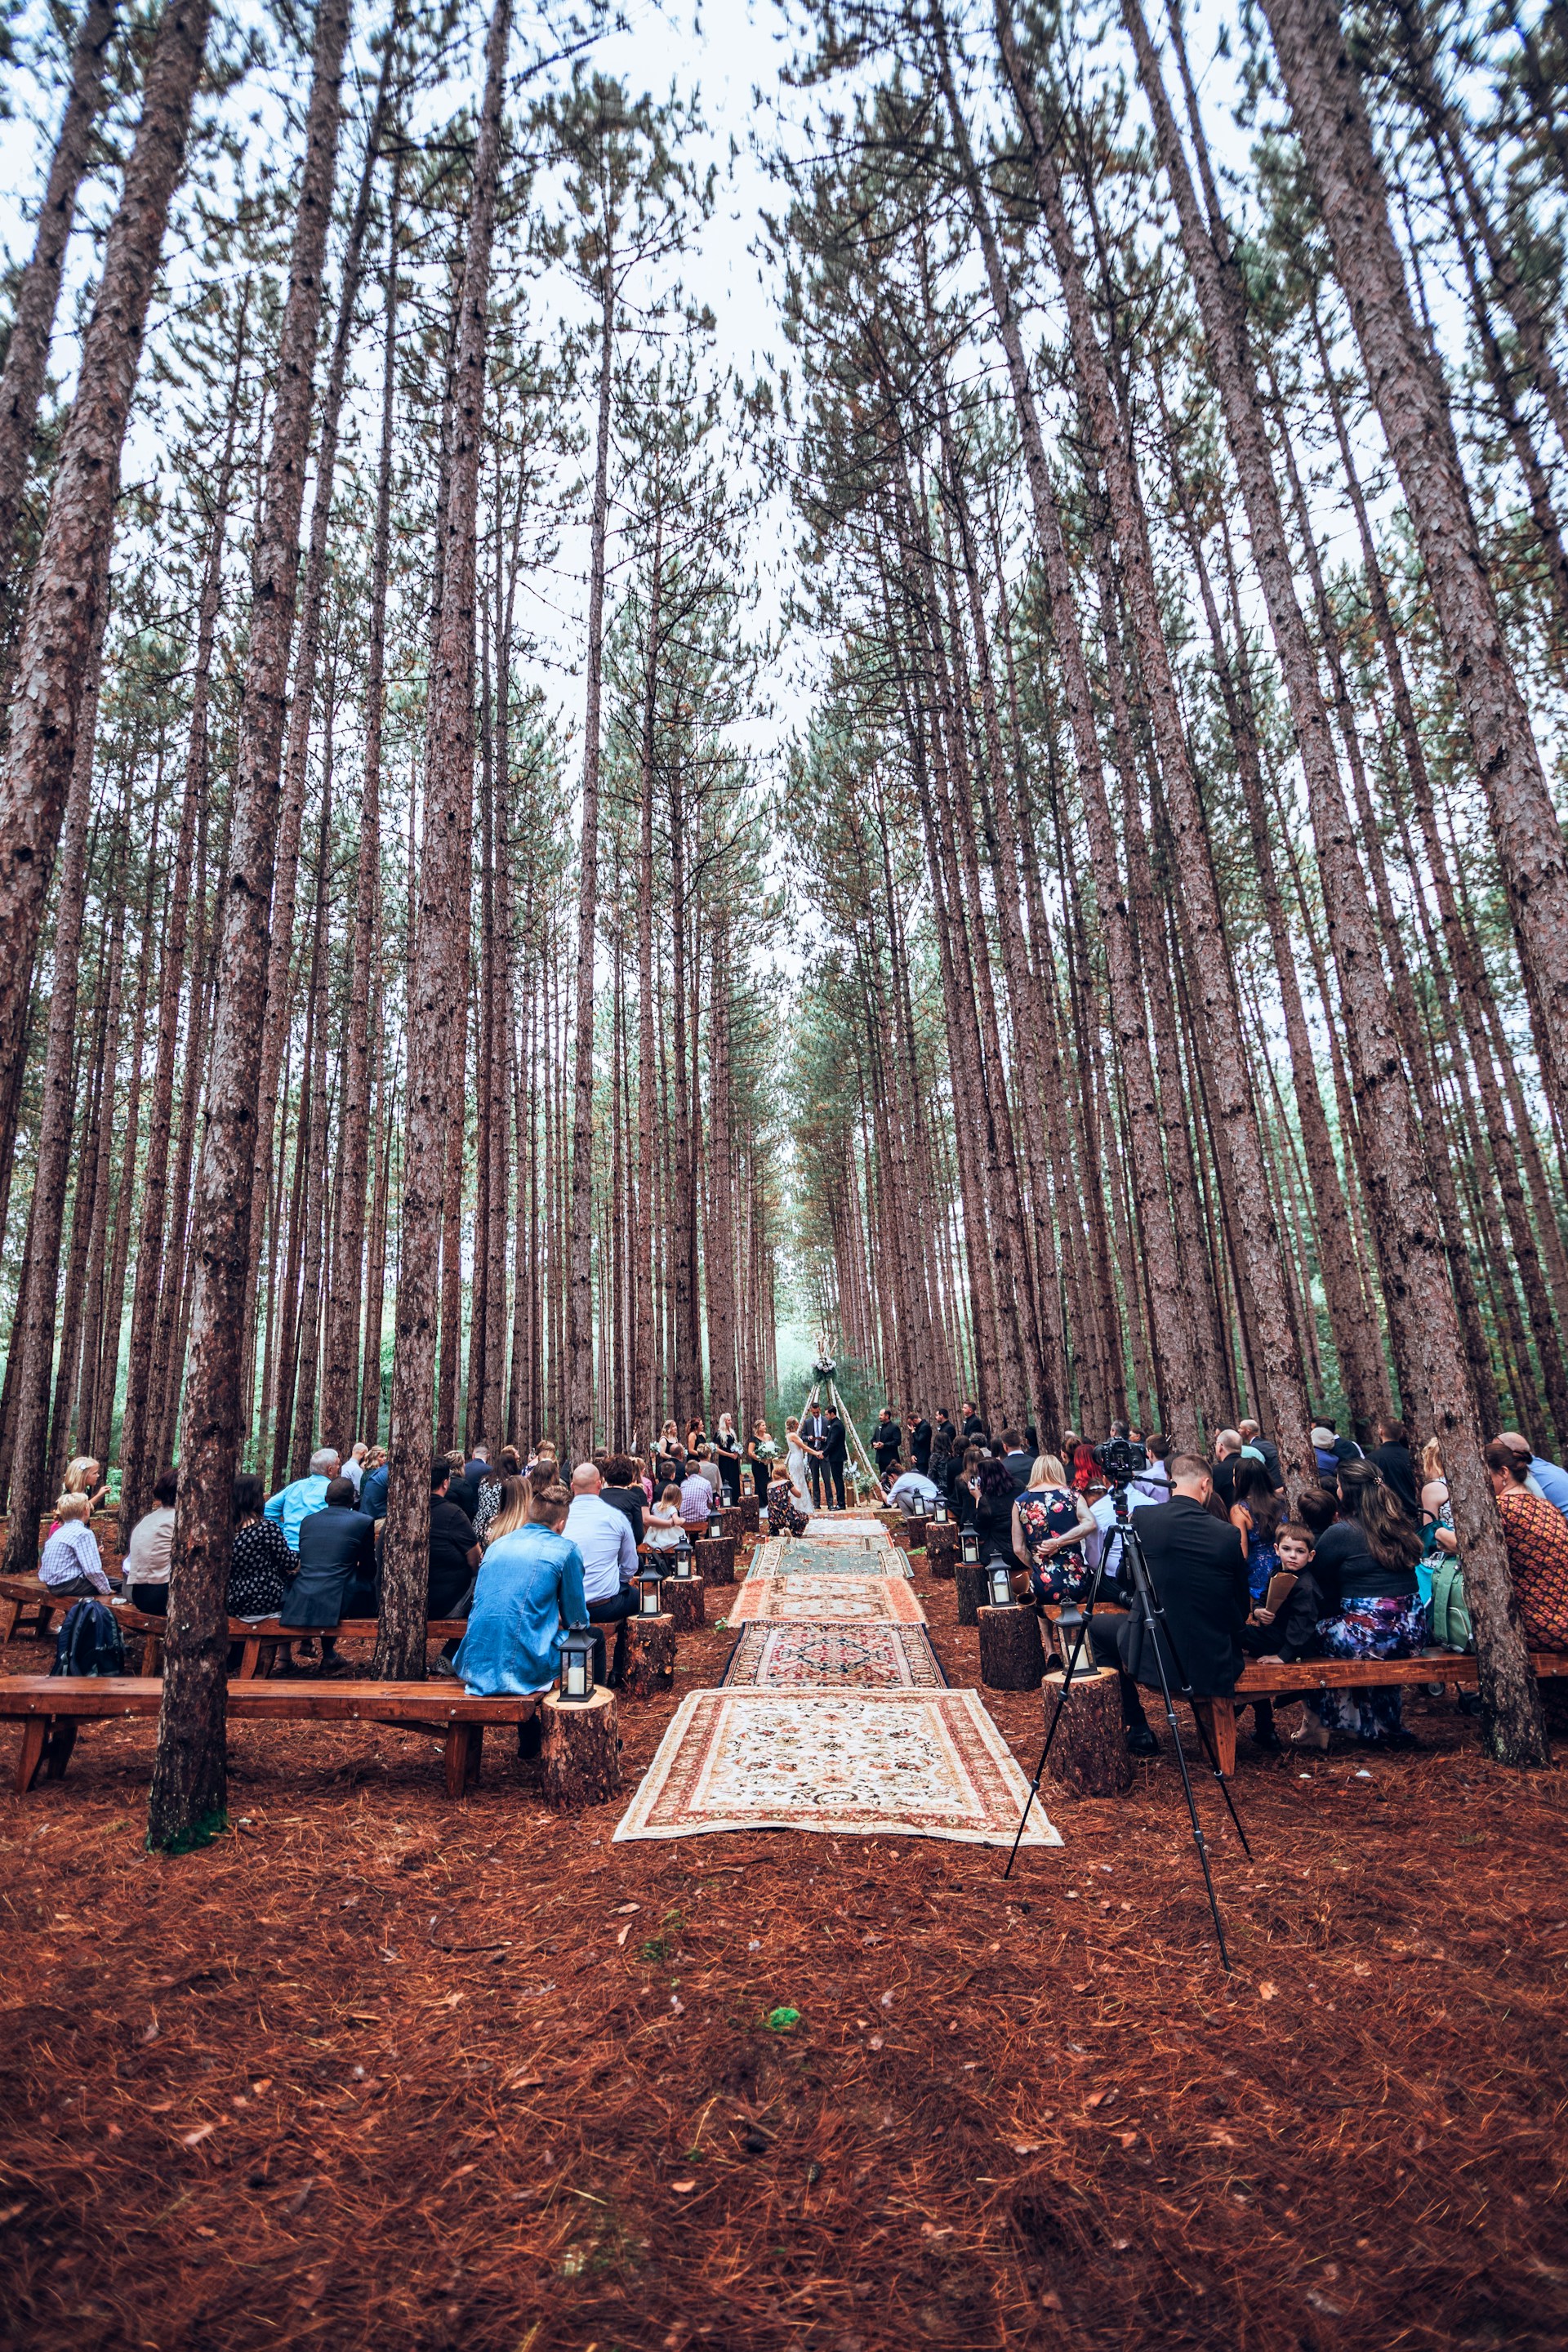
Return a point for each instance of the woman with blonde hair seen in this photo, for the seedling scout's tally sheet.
(1050, 1520)
(511, 1508)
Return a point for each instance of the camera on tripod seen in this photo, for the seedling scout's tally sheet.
(1121, 1460)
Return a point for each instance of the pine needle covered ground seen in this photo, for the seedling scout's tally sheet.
(380, 2071)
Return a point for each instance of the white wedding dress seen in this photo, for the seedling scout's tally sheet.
(795, 1465)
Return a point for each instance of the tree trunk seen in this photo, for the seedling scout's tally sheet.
(69, 586)
(189, 1781)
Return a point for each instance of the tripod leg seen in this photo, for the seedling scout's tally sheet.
(1051, 1726)
(1205, 1742)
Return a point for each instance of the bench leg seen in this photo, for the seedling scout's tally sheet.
(151, 1655)
(457, 1758)
(1217, 1716)
(250, 1658)
(35, 1731)
(57, 1755)
(9, 1612)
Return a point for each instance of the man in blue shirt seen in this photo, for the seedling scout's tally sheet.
(1549, 1477)
(296, 1502)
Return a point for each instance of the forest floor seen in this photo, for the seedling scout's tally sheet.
(380, 2071)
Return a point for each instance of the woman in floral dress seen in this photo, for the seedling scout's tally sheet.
(1050, 1521)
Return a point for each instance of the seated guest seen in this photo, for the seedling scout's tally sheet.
(462, 1489)
(707, 1465)
(373, 1486)
(622, 1491)
(1152, 1484)
(1199, 1574)
(1017, 1462)
(479, 1465)
(146, 1568)
(1393, 1458)
(908, 1483)
(354, 1461)
(508, 1464)
(787, 1517)
(1536, 1535)
(960, 1484)
(1288, 1632)
(608, 1551)
(664, 1531)
(1365, 1564)
(1547, 1479)
(1251, 1435)
(336, 1576)
(70, 1562)
(528, 1594)
(263, 1567)
(1437, 1507)
(696, 1496)
(1050, 1522)
(454, 1546)
(293, 1504)
(1256, 1514)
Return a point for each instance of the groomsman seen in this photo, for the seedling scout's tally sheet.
(834, 1447)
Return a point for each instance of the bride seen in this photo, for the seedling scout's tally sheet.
(796, 1464)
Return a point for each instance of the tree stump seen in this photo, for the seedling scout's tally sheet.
(716, 1557)
(581, 1750)
(1089, 1756)
(1011, 1657)
(751, 1511)
(732, 1523)
(941, 1547)
(651, 1656)
(682, 1596)
(915, 1534)
(970, 1578)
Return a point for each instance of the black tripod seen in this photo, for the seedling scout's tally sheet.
(1148, 1612)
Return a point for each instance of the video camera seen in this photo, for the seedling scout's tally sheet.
(1121, 1460)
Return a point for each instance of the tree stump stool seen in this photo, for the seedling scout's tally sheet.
(941, 1547)
(580, 1752)
(1011, 1657)
(751, 1511)
(651, 1656)
(716, 1557)
(1089, 1756)
(682, 1596)
(915, 1534)
(969, 1575)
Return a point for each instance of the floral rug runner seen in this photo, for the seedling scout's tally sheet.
(802, 1556)
(868, 1656)
(853, 1763)
(830, 1599)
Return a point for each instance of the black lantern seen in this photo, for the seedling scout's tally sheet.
(715, 1524)
(919, 1507)
(938, 1511)
(969, 1548)
(1000, 1577)
(1069, 1626)
(648, 1582)
(577, 1665)
(681, 1567)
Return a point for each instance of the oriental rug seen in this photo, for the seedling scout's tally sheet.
(868, 1656)
(798, 1555)
(819, 1529)
(827, 1599)
(893, 1762)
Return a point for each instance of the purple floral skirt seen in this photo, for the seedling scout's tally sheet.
(1394, 1627)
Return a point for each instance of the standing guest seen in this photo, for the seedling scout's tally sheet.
(1226, 1462)
(1536, 1535)
(1547, 1478)
(146, 1569)
(696, 1437)
(1323, 1453)
(1050, 1522)
(1365, 1563)
(994, 1504)
(454, 1544)
(727, 1455)
(669, 1443)
(938, 1462)
(609, 1555)
(887, 1441)
(1256, 1514)
(961, 1485)
(262, 1567)
(907, 1485)
(696, 1497)
(1018, 1464)
(1199, 1576)
(972, 1425)
(294, 1503)
(1395, 1460)
(761, 1454)
(1083, 1470)
(477, 1465)
(353, 1465)
(71, 1564)
(785, 1517)
(1252, 1435)
(373, 1486)
(336, 1576)
(622, 1490)
(834, 1445)
(529, 1594)
(663, 1531)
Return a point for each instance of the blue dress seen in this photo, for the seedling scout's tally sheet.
(529, 1589)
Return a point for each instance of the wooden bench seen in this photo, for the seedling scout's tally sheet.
(50, 1708)
(20, 1593)
(1276, 1678)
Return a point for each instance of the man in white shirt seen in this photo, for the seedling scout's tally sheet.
(908, 1485)
(1103, 1549)
(603, 1536)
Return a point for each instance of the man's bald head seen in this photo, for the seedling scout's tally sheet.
(585, 1478)
(1227, 1441)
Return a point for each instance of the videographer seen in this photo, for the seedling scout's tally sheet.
(1198, 1570)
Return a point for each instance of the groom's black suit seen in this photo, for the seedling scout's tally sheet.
(814, 1436)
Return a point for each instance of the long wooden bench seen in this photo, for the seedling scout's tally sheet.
(50, 1708)
(26, 1592)
(1276, 1678)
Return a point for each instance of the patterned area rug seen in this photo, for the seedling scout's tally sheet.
(905, 1763)
(868, 1656)
(801, 1556)
(830, 1600)
(820, 1529)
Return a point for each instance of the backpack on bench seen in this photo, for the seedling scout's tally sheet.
(1450, 1614)
(89, 1641)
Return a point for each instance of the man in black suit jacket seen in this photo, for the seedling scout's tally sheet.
(835, 1442)
(814, 1438)
(1197, 1565)
(1017, 1460)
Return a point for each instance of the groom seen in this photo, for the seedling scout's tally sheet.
(815, 1438)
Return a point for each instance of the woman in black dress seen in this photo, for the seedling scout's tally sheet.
(263, 1567)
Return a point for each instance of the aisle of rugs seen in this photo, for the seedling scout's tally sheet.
(834, 1713)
